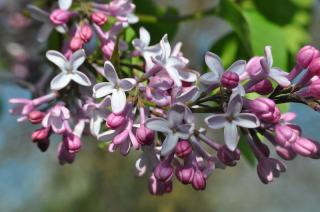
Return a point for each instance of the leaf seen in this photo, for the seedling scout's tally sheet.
(129, 34)
(246, 151)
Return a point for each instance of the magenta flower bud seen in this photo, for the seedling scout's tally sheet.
(85, 33)
(306, 55)
(285, 135)
(265, 109)
(43, 145)
(253, 67)
(230, 80)
(264, 87)
(35, 117)
(313, 70)
(285, 153)
(59, 17)
(304, 147)
(144, 135)
(64, 155)
(76, 43)
(41, 134)
(99, 18)
(316, 154)
(114, 120)
(121, 138)
(72, 142)
(183, 148)
(107, 49)
(157, 187)
(185, 174)
(314, 89)
(227, 156)
(163, 172)
(268, 168)
(198, 181)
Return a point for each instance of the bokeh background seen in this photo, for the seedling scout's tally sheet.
(101, 181)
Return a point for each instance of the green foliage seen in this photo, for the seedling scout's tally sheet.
(246, 151)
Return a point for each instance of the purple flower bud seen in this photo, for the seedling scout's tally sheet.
(107, 49)
(41, 134)
(313, 70)
(76, 43)
(264, 149)
(314, 88)
(306, 55)
(316, 154)
(72, 142)
(157, 187)
(43, 145)
(121, 138)
(35, 117)
(285, 135)
(264, 87)
(230, 80)
(163, 171)
(185, 174)
(285, 153)
(268, 168)
(64, 155)
(304, 147)
(254, 66)
(183, 148)
(99, 18)
(144, 135)
(198, 181)
(85, 33)
(265, 109)
(227, 156)
(59, 17)
(115, 120)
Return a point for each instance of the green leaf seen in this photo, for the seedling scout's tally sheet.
(129, 34)
(246, 151)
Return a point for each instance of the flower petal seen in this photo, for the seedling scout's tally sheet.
(144, 36)
(188, 75)
(58, 59)
(231, 136)
(279, 76)
(216, 121)
(169, 144)
(60, 81)
(102, 89)
(174, 75)
(77, 59)
(238, 67)
(235, 105)
(80, 78)
(176, 115)
(118, 100)
(247, 120)
(127, 84)
(165, 46)
(108, 135)
(95, 124)
(158, 124)
(65, 4)
(268, 54)
(210, 78)
(214, 63)
(110, 73)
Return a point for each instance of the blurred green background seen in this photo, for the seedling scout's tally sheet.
(101, 181)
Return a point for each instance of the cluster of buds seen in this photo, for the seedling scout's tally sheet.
(152, 107)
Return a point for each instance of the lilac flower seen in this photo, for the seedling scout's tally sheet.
(174, 127)
(65, 4)
(147, 160)
(232, 119)
(268, 168)
(115, 87)
(22, 107)
(68, 69)
(57, 119)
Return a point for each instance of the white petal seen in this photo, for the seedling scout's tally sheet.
(235, 104)
(214, 63)
(238, 67)
(231, 136)
(80, 78)
(188, 95)
(158, 124)
(110, 73)
(216, 121)
(279, 76)
(188, 75)
(95, 124)
(247, 120)
(165, 46)
(58, 59)
(63, 29)
(118, 100)
(210, 78)
(176, 49)
(65, 4)
(77, 59)
(144, 36)
(175, 62)
(127, 84)
(174, 75)
(102, 89)
(268, 54)
(169, 144)
(107, 136)
(60, 81)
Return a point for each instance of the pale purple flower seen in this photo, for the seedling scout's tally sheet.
(57, 118)
(65, 4)
(116, 87)
(68, 69)
(22, 107)
(232, 119)
(174, 127)
(147, 160)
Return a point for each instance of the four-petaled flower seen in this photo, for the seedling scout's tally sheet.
(116, 87)
(68, 69)
(231, 120)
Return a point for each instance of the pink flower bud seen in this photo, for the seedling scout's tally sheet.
(285, 153)
(254, 66)
(230, 80)
(40, 134)
(304, 147)
(227, 156)
(35, 117)
(157, 187)
(99, 18)
(85, 33)
(264, 87)
(183, 148)
(185, 174)
(144, 135)
(313, 70)
(163, 172)
(64, 155)
(121, 138)
(114, 120)
(314, 89)
(265, 109)
(306, 55)
(285, 135)
(72, 142)
(198, 181)
(59, 17)
(107, 49)
(76, 43)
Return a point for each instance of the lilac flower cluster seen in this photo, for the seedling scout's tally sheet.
(153, 107)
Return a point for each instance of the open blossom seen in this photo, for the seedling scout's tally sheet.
(115, 86)
(57, 119)
(65, 4)
(230, 120)
(68, 69)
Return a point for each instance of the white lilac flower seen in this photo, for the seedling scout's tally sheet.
(231, 120)
(143, 46)
(68, 69)
(116, 87)
(65, 4)
(175, 127)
